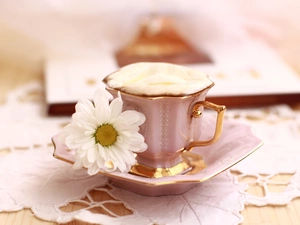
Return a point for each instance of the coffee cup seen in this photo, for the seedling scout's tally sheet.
(172, 98)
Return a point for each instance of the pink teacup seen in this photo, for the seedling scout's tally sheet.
(172, 126)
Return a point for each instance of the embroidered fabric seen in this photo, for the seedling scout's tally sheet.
(32, 178)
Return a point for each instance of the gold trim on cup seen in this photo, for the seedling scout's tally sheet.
(196, 113)
(191, 163)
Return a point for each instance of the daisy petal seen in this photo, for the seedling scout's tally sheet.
(86, 163)
(101, 97)
(133, 117)
(84, 106)
(137, 143)
(119, 160)
(116, 107)
(103, 112)
(128, 156)
(94, 169)
(100, 161)
(102, 152)
(92, 154)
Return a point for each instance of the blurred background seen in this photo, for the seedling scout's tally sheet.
(32, 31)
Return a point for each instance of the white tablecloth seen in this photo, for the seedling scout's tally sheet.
(32, 178)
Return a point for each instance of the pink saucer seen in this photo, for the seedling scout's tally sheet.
(236, 143)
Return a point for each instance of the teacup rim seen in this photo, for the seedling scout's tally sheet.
(153, 97)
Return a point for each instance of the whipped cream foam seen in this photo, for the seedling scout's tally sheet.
(158, 79)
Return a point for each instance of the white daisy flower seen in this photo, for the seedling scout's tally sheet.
(104, 136)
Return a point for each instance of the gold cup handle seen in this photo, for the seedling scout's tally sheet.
(196, 113)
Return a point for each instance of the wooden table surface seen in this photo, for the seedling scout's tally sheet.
(12, 76)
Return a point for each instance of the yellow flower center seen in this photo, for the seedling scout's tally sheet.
(106, 135)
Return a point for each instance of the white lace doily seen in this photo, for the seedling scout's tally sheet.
(32, 178)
